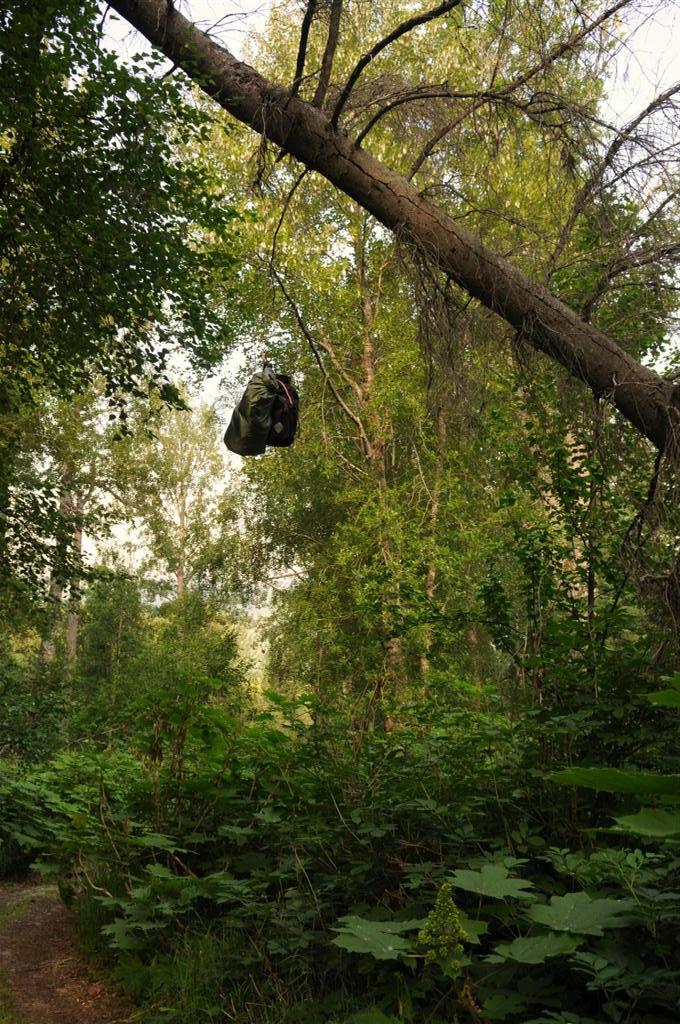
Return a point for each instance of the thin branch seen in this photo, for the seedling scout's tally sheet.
(589, 186)
(558, 51)
(302, 47)
(400, 30)
(319, 361)
(348, 379)
(410, 97)
(433, 92)
(296, 184)
(633, 261)
(328, 54)
(636, 526)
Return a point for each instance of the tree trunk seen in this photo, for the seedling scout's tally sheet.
(48, 647)
(431, 578)
(72, 630)
(180, 569)
(644, 398)
(73, 617)
(180, 581)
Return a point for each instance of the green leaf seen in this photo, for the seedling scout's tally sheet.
(473, 928)
(562, 1018)
(577, 912)
(160, 871)
(372, 1016)
(652, 821)
(493, 880)
(121, 935)
(536, 949)
(667, 698)
(172, 396)
(156, 841)
(381, 939)
(500, 1005)
(411, 924)
(615, 780)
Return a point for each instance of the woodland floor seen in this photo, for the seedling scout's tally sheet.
(43, 979)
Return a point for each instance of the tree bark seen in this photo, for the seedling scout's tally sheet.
(642, 396)
(431, 578)
(73, 616)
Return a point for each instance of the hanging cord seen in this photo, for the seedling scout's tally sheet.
(266, 365)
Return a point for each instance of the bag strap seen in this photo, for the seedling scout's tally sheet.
(288, 394)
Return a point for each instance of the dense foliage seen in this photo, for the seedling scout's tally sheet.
(278, 868)
(114, 238)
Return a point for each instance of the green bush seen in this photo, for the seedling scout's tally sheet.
(275, 868)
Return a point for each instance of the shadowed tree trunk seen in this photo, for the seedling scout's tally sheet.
(73, 617)
(644, 398)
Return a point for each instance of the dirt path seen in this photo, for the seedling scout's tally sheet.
(43, 980)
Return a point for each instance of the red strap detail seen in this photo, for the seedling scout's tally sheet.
(288, 395)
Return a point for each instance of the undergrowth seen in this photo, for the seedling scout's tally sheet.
(281, 868)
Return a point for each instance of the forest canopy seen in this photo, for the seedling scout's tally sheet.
(380, 728)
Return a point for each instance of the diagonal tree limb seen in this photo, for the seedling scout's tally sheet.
(643, 397)
(332, 355)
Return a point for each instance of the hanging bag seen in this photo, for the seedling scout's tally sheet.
(267, 414)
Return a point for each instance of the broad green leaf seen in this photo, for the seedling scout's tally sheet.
(372, 1016)
(615, 780)
(473, 928)
(156, 841)
(381, 939)
(652, 821)
(562, 1018)
(577, 912)
(500, 1005)
(392, 927)
(493, 880)
(121, 935)
(665, 698)
(536, 949)
(160, 871)
(669, 698)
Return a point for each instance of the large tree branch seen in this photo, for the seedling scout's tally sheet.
(644, 398)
